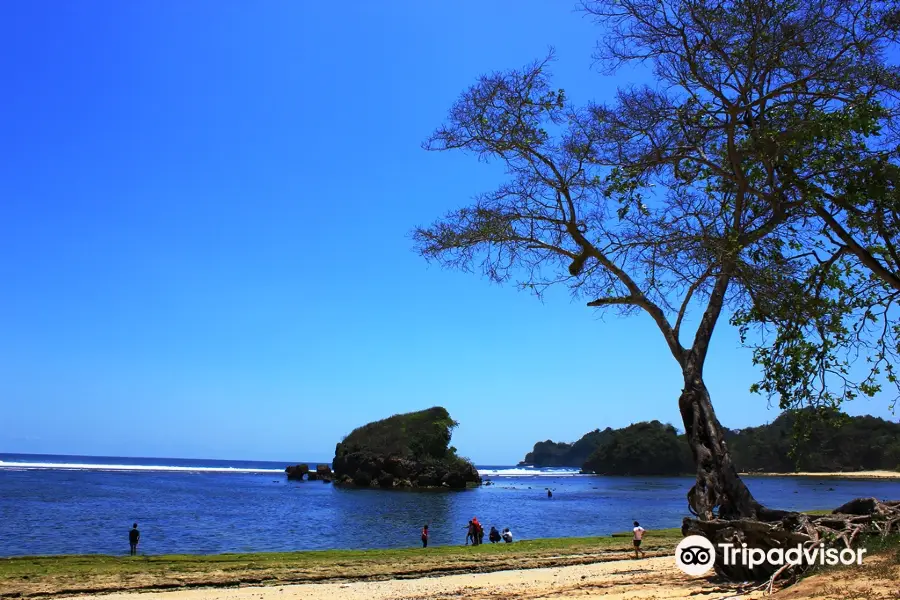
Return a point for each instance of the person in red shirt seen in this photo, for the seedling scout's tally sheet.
(425, 536)
(479, 532)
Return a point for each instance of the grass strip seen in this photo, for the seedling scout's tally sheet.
(81, 574)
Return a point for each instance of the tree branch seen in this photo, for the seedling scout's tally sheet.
(857, 249)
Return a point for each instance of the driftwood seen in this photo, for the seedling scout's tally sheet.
(845, 528)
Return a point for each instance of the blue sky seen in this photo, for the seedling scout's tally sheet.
(204, 251)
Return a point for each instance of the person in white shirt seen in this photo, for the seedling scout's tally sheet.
(507, 536)
(638, 536)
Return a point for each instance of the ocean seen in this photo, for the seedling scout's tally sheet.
(85, 505)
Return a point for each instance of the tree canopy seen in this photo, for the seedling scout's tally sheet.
(830, 136)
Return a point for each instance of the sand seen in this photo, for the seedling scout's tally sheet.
(654, 578)
(838, 475)
(878, 579)
(649, 578)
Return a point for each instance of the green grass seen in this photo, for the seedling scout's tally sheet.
(95, 562)
(60, 575)
(888, 546)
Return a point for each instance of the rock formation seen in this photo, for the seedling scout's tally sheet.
(404, 451)
(298, 472)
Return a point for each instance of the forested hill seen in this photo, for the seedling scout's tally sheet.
(832, 442)
(560, 454)
(835, 443)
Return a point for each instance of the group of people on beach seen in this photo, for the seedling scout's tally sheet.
(495, 536)
(475, 534)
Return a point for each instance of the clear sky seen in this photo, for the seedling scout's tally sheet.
(204, 237)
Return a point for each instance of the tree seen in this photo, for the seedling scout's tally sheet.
(684, 196)
(825, 337)
(814, 328)
(839, 301)
(579, 209)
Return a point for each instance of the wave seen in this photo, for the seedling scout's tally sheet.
(19, 466)
(485, 472)
(530, 472)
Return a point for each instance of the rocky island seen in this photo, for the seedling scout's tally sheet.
(409, 450)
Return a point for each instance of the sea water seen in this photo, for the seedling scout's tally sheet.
(85, 505)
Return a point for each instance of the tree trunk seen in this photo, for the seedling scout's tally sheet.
(719, 492)
(727, 513)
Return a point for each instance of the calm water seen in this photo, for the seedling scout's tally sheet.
(202, 506)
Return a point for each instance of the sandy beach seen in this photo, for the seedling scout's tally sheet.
(531, 570)
(838, 475)
(617, 580)
(654, 578)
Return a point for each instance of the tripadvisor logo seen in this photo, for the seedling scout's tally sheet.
(695, 555)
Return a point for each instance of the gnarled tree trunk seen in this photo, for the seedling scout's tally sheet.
(727, 513)
(719, 490)
(719, 495)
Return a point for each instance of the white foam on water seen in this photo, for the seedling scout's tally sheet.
(19, 466)
(95, 467)
(526, 472)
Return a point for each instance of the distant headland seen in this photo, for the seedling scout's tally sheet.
(796, 442)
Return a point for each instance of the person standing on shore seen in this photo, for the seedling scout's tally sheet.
(470, 533)
(638, 537)
(425, 536)
(134, 536)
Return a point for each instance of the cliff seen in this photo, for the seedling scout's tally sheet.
(410, 450)
(561, 454)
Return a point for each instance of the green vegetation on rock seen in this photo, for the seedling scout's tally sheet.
(798, 440)
(407, 450)
(647, 448)
(827, 441)
(561, 454)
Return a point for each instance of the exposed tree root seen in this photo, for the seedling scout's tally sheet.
(845, 528)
